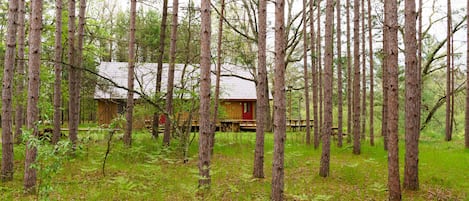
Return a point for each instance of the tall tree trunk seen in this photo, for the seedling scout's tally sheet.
(33, 95)
(261, 110)
(217, 82)
(72, 53)
(467, 83)
(356, 77)
(372, 102)
(279, 103)
(320, 75)
(349, 76)
(306, 75)
(363, 73)
(19, 116)
(7, 90)
(164, 17)
(449, 36)
(130, 76)
(204, 110)
(328, 82)
(172, 63)
(58, 72)
(393, 100)
(385, 74)
(339, 77)
(314, 75)
(412, 104)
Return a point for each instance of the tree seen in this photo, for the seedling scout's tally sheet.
(349, 75)
(390, 7)
(279, 104)
(172, 63)
(385, 74)
(467, 83)
(33, 95)
(7, 90)
(72, 77)
(328, 82)
(412, 104)
(58, 72)
(261, 110)
(314, 78)
(356, 78)
(370, 38)
(363, 73)
(449, 36)
(204, 110)
(130, 76)
(305, 75)
(339, 77)
(319, 72)
(19, 116)
(156, 116)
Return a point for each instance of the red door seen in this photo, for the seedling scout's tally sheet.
(247, 110)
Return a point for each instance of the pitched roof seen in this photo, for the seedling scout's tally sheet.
(238, 87)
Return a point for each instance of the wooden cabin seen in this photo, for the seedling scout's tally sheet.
(237, 97)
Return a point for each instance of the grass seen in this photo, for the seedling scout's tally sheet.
(149, 172)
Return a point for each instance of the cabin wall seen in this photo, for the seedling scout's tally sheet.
(234, 109)
(107, 111)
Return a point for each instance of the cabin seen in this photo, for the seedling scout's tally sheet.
(237, 96)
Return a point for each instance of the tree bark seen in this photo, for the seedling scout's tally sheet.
(279, 103)
(314, 76)
(20, 104)
(164, 17)
(328, 82)
(320, 71)
(372, 102)
(339, 77)
(363, 73)
(58, 73)
(385, 66)
(261, 110)
(393, 100)
(7, 91)
(412, 104)
(306, 75)
(130, 76)
(356, 78)
(349, 75)
(72, 77)
(33, 94)
(204, 110)
(448, 131)
(467, 83)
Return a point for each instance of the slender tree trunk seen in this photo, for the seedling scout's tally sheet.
(393, 100)
(33, 94)
(363, 73)
(261, 111)
(467, 83)
(448, 131)
(204, 118)
(372, 102)
(19, 116)
(130, 76)
(279, 104)
(156, 115)
(349, 76)
(72, 53)
(339, 77)
(58, 73)
(314, 76)
(320, 80)
(328, 82)
(306, 75)
(217, 82)
(385, 66)
(412, 105)
(356, 78)
(172, 63)
(7, 90)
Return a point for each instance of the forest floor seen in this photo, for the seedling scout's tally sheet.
(148, 171)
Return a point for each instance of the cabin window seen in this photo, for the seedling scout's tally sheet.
(246, 107)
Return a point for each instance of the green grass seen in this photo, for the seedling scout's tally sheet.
(148, 172)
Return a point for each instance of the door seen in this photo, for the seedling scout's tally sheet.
(247, 110)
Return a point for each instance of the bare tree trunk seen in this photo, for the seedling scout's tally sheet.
(412, 105)
(394, 187)
(7, 90)
(385, 74)
(466, 136)
(58, 72)
(172, 63)
(363, 73)
(339, 76)
(349, 76)
(328, 82)
(306, 75)
(261, 111)
(356, 78)
(448, 131)
(314, 75)
(33, 94)
(320, 80)
(204, 114)
(72, 77)
(156, 115)
(19, 116)
(372, 102)
(217, 85)
(279, 103)
(130, 76)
